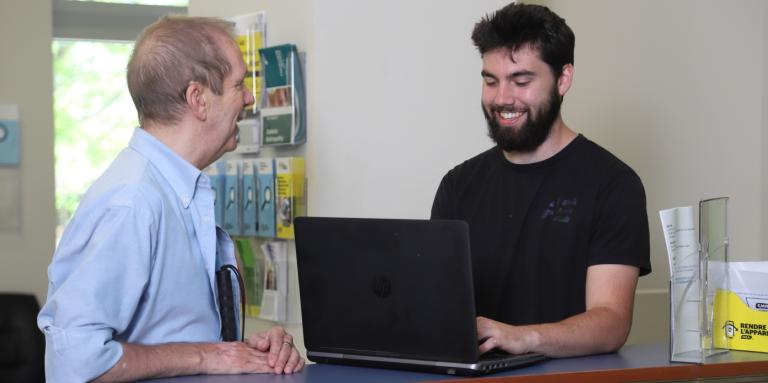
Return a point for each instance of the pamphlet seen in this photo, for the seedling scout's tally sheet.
(251, 270)
(683, 251)
(231, 197)
(248, 199)
(283, 118)
(251, 35)
(265, 184)
(215, 173)
(275, 298)
(291, 202)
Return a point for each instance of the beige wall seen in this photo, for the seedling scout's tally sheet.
(764, 152)
(389, 86)
(677, 90)
(26, 79)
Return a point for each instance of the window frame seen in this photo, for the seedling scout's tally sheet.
(88, 20)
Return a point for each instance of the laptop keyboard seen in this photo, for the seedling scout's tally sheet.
(494, 354)
(497, 359)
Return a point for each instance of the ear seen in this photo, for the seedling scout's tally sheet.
(196, 100)
(565, 79)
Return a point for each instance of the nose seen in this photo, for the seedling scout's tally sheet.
(505, 94)
(248, 98)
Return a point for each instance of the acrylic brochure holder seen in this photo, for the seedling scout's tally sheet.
(691, 294)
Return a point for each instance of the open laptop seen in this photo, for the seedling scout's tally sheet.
(391, 293)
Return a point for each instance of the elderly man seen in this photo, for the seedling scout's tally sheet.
(132, 290)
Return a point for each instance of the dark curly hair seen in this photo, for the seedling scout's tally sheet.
(525, 25)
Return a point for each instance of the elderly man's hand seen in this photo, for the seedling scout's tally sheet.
(233, 358)
(282, 356)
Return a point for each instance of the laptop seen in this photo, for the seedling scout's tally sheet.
(391, 293)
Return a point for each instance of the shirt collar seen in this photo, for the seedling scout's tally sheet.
(182, 175)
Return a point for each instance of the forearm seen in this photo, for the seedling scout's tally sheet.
(165, 360)
(604, 326)
(597, 330)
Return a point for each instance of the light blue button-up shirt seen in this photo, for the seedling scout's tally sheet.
(135, 264)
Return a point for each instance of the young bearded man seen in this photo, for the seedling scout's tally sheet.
(558, 225)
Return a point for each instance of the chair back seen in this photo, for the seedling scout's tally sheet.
(22, 345)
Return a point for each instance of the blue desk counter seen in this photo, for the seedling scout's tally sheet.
(635, 363)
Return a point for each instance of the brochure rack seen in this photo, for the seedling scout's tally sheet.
(691, 294)
(261, 186)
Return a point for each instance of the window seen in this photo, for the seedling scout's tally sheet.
(178, 3)
(93, 115)
(93, 112)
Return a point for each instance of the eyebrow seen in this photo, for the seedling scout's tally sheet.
(512, 76)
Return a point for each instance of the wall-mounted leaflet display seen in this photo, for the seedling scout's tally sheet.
(256, 203)
(259, 197)
(251, 35)
(283, 118)
(265, 269)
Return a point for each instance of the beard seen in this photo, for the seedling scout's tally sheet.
(532, 133)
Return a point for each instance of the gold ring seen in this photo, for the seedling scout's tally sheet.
(288, 343)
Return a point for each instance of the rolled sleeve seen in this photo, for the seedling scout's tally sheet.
(97, 280)
(78, 355)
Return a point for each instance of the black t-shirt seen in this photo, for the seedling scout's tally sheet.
(536, 228)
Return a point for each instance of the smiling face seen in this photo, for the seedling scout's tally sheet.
(521, 98)
(225, 108)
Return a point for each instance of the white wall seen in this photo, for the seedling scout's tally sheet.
(393, 97)
(676, 89)
(389, 86)
(764, 163)
(26, 79)
(397, 106)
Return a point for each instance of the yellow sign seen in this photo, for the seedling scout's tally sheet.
(738, 326)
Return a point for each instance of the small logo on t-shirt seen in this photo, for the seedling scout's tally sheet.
(381, 286)
(560, 210)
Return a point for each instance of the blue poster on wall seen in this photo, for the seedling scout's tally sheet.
(9, 135)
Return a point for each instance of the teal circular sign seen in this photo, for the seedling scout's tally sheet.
(3, 132)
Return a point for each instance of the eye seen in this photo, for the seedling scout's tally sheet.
(522, 83)
(489, 81)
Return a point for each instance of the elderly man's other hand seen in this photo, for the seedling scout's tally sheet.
(282, 356)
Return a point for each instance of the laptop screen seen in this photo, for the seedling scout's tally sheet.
(387, 287)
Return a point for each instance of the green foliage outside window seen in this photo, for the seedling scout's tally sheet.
(93, 115)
